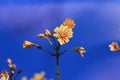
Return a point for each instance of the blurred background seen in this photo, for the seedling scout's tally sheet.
(97, 25)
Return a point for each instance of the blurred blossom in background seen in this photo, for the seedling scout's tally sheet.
(97, 25)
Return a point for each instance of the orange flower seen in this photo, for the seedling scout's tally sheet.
(48, 33)
(69, 23)
(63, 34)
(81, 50)
(114, 46)
(28, 44)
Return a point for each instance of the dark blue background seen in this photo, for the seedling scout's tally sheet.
(97, 25)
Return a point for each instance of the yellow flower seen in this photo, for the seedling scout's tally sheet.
(69, 23)
(63, 33)
(81, 51)
(28, 44)
(48, 33)
(114, 46)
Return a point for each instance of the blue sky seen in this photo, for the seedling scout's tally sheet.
(97, 25)
(51, 1)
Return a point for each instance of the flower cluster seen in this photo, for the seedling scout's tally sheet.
(62, 33)
(5, 75)
(61, 36)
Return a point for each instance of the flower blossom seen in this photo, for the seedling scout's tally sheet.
(69, 23)
(63, 33)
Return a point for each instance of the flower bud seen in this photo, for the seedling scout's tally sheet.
(13, 68)
(9, 61)
(48, 33)
(10, 65)
(28, 44)
(81, 51)
(114, 46)
(41, 35)
(38, 46)
(19, 71)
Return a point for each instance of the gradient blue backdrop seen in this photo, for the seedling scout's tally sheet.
(97, 25)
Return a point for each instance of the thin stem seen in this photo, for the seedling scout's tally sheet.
(15, 77)
(66, 51)
(18, 73)
(57, 66)
(41, 48)
(50, 43)
(58, 47)
(52, 54)
(11, 76)
(54, 41)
